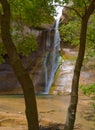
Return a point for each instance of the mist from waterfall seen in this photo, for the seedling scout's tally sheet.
(51, 60)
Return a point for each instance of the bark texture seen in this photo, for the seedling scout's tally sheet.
(21, 73)
(71, 115)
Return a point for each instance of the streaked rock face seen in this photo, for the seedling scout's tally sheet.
(34, 65)
(8, 81)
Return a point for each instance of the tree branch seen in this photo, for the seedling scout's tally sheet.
(6, 8)
(78, 14)
(70, 8)
(85, 5)
(90, 9)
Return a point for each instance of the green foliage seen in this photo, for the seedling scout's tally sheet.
(25, 44)
(90, 47)
(24, 41)
(81, 3)
(93, 105)
(61, 2)
(90, 89)
(91, 31)
(35, 12)
(32, 12)
(70, 32)
(77, 3)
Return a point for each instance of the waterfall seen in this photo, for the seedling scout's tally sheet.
(51, 59)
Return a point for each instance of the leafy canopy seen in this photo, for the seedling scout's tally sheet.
(33, 12)
(70, 32)
(27, 13)
(89, 90)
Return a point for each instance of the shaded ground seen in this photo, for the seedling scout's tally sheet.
(52, 110)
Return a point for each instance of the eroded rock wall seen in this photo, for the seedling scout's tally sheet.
(34, 65)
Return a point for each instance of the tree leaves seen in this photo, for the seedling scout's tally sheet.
(33, 12)
(90, 89)
(27, 45)
(70, 32)
(81, 3)
(29, 13)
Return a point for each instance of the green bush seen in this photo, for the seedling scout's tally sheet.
(90, 89)
(26, 45)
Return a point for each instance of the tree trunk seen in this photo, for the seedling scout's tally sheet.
(74, 93)
(71, 116)
(21, 73)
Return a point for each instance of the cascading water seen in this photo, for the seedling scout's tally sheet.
(51, 59)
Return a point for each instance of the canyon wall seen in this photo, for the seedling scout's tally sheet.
(34, 64)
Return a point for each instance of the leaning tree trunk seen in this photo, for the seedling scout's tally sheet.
(74, 93)
(69, 125)
(21, 73)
